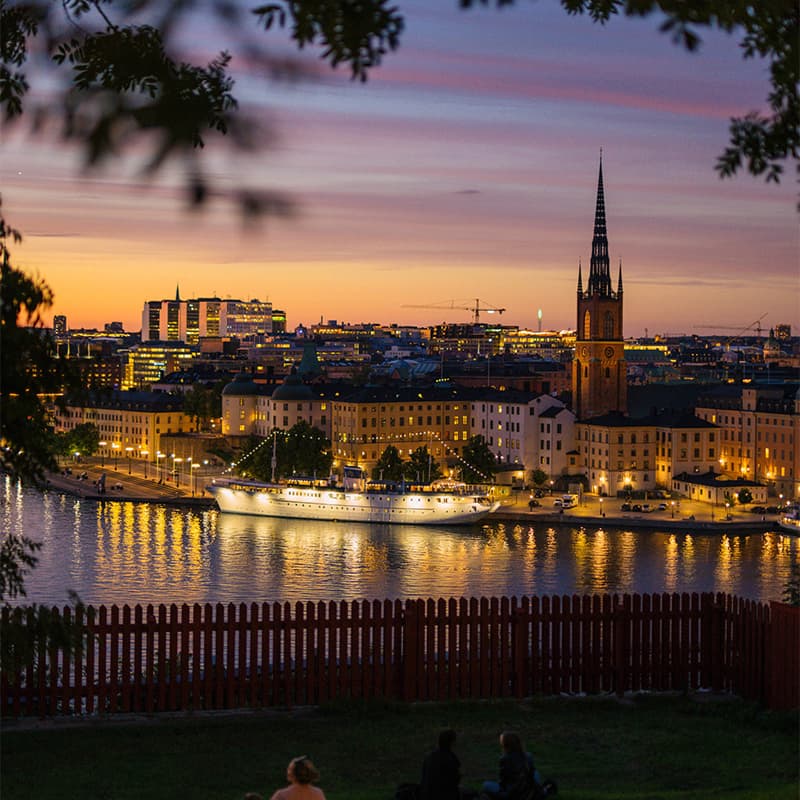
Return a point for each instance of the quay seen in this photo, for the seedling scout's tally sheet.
(683, 515)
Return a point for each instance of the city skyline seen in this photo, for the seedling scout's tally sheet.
(465, 168)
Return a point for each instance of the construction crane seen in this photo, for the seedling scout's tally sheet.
(739, 330)
(451, 304)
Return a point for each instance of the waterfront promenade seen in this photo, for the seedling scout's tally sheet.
(685, 515)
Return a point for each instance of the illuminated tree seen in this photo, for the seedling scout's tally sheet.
(389, 466)
(421, 466)
(478, 461)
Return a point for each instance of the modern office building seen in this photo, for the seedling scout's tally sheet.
(190, 320)
(149, 362)
(59, 326)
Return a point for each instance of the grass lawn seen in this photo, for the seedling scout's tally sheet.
(651, 747)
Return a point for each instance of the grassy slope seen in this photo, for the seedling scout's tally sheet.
(655, 747)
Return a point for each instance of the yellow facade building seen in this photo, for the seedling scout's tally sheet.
(368, 421)
(130, 424)
(759, 435)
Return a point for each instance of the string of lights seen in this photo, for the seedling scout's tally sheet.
(429, 435)
(275, 432)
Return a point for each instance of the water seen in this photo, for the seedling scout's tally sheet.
(115, 552)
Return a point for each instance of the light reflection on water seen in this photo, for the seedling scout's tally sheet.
(116, 552)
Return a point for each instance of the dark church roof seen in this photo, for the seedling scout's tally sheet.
(293, 389)
(243, 386)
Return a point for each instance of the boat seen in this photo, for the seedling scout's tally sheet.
(356, 499)
(790, 521)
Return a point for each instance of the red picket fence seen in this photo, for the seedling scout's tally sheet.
(253, 656)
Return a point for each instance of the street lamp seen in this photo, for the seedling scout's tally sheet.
(159, 456)
(145, 454)
(602, 513)
(102, 446)
(115, 448)
(672, 509)
(129, 450)
(194, 478)
(176, 473)
(780, 504)
(551, 486)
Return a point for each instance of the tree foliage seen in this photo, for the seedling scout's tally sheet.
(83, 439)
(131, 86)
(421, 466)
(389, 466)
(17, 558)
(745, 496)
(479, 463)
(302, 450)
(539, 477)
(30, 374)
(203, 403)
(768, 29)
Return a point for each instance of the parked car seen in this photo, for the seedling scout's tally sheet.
(647, 508)
(538, 492)
(636, 507)
(758, 510)
(662, 506)
(625, 507)
(771, 509)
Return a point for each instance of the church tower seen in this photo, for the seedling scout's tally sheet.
(599, 382)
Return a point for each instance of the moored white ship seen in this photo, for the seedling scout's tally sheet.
(356, 500)
(790, 521)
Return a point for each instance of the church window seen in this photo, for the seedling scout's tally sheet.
(608, 326)
(587, 325)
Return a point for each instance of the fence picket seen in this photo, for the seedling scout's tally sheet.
(91, 686)
(140, 659)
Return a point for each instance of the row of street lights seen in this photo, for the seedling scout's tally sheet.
(192, 466)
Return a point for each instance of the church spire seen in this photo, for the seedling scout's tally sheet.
(580, 278)
(177, 292)
(599, 273)
(619, 282)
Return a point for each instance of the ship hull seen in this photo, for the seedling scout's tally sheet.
(410, 508)
(790, 523)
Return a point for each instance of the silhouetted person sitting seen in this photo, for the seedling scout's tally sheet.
(441, 771)
(517, 773)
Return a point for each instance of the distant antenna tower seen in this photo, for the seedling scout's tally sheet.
(539, 315)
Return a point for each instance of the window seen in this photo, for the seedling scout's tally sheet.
(587, 325)
(608, 325)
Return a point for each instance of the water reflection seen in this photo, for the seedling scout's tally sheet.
(114, 552)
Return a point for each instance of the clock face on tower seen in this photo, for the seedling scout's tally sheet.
(584, 351)
(609, 352)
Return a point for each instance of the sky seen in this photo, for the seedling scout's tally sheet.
(465, 168)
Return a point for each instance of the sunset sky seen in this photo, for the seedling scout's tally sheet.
(465, 168)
